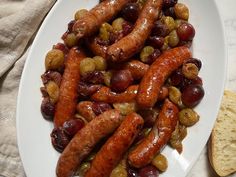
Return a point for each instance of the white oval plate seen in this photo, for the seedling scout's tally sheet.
(33, 132)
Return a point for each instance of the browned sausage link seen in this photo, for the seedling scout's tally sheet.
(164, 92)
(96, 48)
(101, 13)
(113, 150)
(66, 105)
(157, 138)
(157, 74)
(137, 68)
(85, 109)
(104, 94)
(85, 140)
(133, 42)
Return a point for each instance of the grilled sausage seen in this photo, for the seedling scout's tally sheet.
(113, 150)
(85, 109)
(96, 48)
(157, 138)
(85, 140)
(158, 72)
(66, 105)
(134, 41)
(101, 13)
(136, 68)
(104, 94)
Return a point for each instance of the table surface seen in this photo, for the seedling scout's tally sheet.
(228, 13)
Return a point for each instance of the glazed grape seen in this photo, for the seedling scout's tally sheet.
(186, 31)
(72, 126)
(100, 107)
(95, 77)
(121, 80)
(132, 172)
(176, 78)
(130, 12)
(47, 109)
(170, 12)
(149, 116)
(148, 171)
(160, 29)
(156, 41)
(59, 139)
(192, 95)
(70, 25)
(169, 3)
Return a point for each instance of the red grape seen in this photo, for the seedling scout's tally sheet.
(156, 41)
(186, 31)
(149, 116)
(59, 139)
(95, 77)
(130, 12)
(47, 109)
(70, 25)
(100, 107)
(148, 171)
(61, 47)
(121, 80)
(170, 12)
(72, 126)
(169, 3)
(192, 95)
(132, 172)
(159, 29)
(176, 78)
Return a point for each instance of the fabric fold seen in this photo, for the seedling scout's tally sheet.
(17, 27)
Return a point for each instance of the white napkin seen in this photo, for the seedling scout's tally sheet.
(19, 20)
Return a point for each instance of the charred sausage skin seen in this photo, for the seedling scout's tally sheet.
(113, 150)
(165, 124)
(85, 140)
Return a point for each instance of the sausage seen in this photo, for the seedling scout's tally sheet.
(113, 150)
(104, 94)
(158, 72)
(85, 109)
(85, 140)
(165, 124)
(136, 68)
(96, 48)
(134, 41)
(101, 13)
(66, 105)
(164, 92)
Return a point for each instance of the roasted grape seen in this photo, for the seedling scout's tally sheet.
(192, 95)
(148, 171)
(160, 29)
(47, 109)
(100, 107)
(72, 126)
(186, 31)
(156, 41)
(59, 139)
(130, 12)
(121, 80)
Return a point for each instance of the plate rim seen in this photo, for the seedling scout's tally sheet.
(41, 27)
